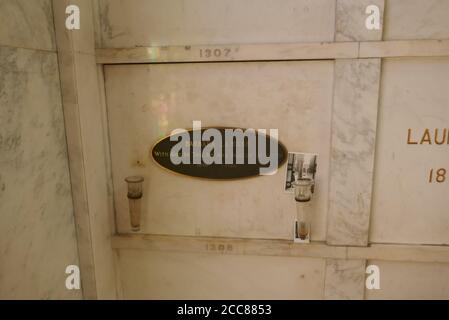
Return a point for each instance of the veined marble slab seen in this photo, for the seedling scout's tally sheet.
(27, 24)
(135, 23)
(350, 20)
(416, 19)
(37, 229)
(85, 117)
(354, 120)
(345, 279)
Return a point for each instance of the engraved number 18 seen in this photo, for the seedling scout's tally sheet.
(437, 175)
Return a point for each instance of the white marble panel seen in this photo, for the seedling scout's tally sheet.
(27, 24)
(90, 173)
(416, 19)
(135, 23)
(89, 157)
(345, 279)
(37, 231)
(96, 172)
(410, 281)
(407, 208)
(354, 119)
(146, 102)
(350, 20)
(171, 275)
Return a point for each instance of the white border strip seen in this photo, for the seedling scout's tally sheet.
(270, 52)
(267, 247)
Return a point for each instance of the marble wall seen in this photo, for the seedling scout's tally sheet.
(144, 23)
(132, 23)
(336, 102)
(411, 91)
(27, 24)
(37, 229)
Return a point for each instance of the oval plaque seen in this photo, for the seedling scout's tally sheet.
(220, 153)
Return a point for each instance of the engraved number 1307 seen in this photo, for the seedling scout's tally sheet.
(215, 53)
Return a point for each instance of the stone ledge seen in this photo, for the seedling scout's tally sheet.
(274, 52)
(266, 247)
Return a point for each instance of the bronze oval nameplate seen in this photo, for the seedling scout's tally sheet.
(238, 159)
